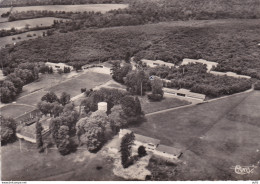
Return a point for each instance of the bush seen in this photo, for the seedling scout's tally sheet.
(141, 151)
(155, 97)
(34, 34)
(83, 90)
(13, 38)
(8, 130)
(19, 38)
(257, 85)
(29, 35)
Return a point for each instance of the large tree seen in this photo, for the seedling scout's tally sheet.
(8, 130)
(50, 97)
(119, 72)
(39, 140)
(157, 92)
(137, 82)
(125, 148)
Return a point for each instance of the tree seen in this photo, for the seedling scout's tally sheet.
(63, 142)
(50, 97)
(125, 148)
(117, 118)
(39, 141)
(118, 72)
(8, 91)
(132, 109)
(157, 92)
(137, 82)
(94, 131)
(64, 98)
(45, 107)
(17, 81)
(141, 151)
(56, 109)
(8, 130)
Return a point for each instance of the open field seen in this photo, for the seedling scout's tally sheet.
(9, 39)
(103, 8)
(33, 92)
(88, 80)
(166, 103)
(20, 24)
(31, 165)
(14, 110)
(213, 136)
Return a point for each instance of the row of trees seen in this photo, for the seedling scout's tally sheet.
(25, 73)
(7, 3)
(63, 122)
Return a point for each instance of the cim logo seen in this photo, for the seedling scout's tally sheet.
(242, 170)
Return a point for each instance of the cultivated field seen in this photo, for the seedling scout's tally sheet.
(20, 24)
(9, 39)
(103, 8)
(213, 137)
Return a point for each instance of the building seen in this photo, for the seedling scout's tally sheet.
(209, 64)
(102, 106)
(56, 66)
(154, 63)
(27, 125)
(184, 93)
(167, 152)
(230, 74)
(152, 145)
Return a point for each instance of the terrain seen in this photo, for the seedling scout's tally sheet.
(222, 41)
(213, 136)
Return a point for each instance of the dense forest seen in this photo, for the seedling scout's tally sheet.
(231, 43)
(7, 3)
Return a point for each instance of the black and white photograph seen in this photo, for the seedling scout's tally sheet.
(130, 90)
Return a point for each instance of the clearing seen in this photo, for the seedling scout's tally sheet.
(20, 24)
(23, 36)
(103, 8)
(214, 137)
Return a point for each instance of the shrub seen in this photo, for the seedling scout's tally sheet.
(141, 151)
(29, 35)
(13, 38)
(83, 90)
(19, 38)
(257, 85)
(155, 97)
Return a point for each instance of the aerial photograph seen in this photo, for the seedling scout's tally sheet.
(130, 90)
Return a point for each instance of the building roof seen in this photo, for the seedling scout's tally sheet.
(159, 62)
(147, 140)
(209, 64)
(184, 91)
(169, 150)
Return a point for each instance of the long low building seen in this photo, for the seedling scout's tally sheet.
(184, 93)
(209, 64)
(153, 145)
(230, 74)
(154, 63)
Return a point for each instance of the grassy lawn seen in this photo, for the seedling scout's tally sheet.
(166, 103)
(14, 110)
(29, 165)
(32, 99)
(213, 136)
(88, 80)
